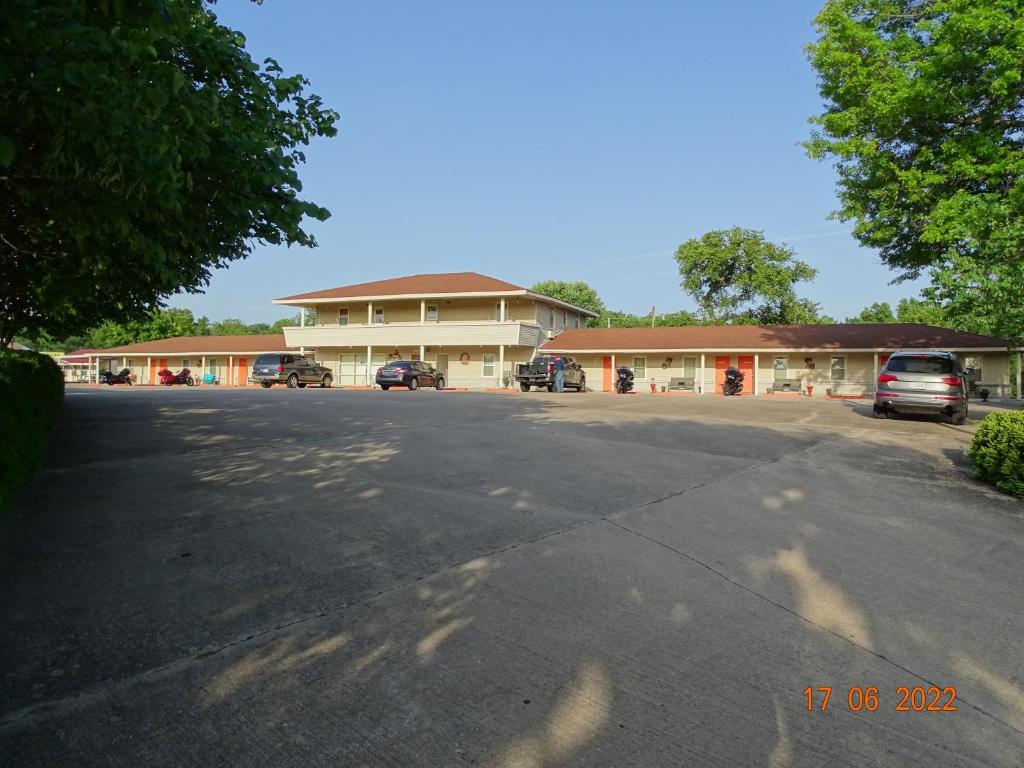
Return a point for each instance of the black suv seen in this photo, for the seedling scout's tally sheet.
(290, 369)
(541, 373)
(409, 373)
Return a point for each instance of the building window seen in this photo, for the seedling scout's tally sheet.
(780, 365)
(211, 365)
(640, 367)
(343, 316)
(690, 367)
(838, 369)
(431, 313)
(129, 363)
(551, 317)
(488, 365)
(565, 319)
(378, 315)
(577, 320)
(185, 363)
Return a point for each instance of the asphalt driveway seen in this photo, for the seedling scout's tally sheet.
(343, 578)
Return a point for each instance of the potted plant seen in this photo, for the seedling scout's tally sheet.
(984, 394)
(810, 387)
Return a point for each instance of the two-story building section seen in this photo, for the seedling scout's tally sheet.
(473, 328)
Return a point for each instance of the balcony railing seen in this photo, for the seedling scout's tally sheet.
(470, 332)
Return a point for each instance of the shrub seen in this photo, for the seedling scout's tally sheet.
(997, 452)
(31, 395)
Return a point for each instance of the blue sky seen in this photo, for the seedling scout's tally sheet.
(544, 140)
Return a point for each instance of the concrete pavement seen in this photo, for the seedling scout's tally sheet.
(418, 578)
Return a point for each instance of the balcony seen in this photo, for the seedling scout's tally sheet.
(470, 333)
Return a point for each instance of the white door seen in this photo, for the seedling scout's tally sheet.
(347, 370)
(442, 365)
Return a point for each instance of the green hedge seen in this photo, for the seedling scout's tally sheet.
(997, 451)
(31, 396)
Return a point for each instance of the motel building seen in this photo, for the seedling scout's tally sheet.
(477, 329)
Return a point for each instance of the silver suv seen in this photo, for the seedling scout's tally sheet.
(922, 382)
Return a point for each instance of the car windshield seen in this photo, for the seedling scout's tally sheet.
(919, 364)
(399, 364)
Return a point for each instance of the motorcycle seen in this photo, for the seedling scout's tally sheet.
(123, 376)
(184, 376)
(733, 383)
(624, 381)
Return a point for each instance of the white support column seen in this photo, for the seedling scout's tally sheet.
(369, 313)
(423, 317)
(875, 379)
(701, 379)
(503, 311)
(423, 352)
(124, 363)
(230, 378)
(757, 374)
(1020, 364)
(88, 375)
(501, 358)
(202, 370)
(302, 317)
(369, 356)
(615, 373)
(149, 370)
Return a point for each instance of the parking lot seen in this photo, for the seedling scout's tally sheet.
(359, 578)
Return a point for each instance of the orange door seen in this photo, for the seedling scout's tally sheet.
(746, 366)
(606, 374)
(243, 372)
(153, 368)
(721, 363)
(160, 366)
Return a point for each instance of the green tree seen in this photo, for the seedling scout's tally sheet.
(924, 122)
(231, 326)
(735, 275)
(577, 293)
(923, 311)
(878, 312)
(140, 148)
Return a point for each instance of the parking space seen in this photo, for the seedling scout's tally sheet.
(325, 577)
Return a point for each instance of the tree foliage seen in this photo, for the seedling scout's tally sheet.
(879, 312)
(140, 148)
(736, 275)
(578, 293)
(924, 120)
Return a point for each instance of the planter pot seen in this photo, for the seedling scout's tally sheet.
(810, 390)
(654, 387)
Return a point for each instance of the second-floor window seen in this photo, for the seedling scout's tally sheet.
(551, 317)
(378, 315)
(343, 316)
(431, 313)
(497, 312)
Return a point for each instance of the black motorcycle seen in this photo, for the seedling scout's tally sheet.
(624, 381)
(733, 383)
(124, 376)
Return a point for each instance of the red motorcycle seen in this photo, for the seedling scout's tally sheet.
(184, 376)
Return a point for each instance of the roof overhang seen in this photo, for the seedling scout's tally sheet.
(553, 347)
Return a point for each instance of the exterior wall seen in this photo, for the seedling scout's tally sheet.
(348, 364)
(448, 310)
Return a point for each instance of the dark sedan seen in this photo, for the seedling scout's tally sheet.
(409, 373)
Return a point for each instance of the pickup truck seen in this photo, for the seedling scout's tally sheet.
(540, 372)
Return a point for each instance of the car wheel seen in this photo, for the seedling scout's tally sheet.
(524, 386)
(293, 381)
(439, 384)
(959, 419)
(385, 387)
(583, 385)
(414, 383)
(551, 387)
(326, 381)
(879, 413)
(266, 384)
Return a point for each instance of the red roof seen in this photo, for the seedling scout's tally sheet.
(203, 345)
(756, 337)
(428, 285)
